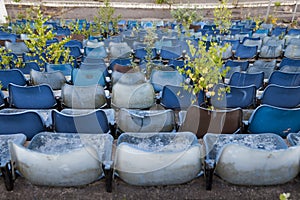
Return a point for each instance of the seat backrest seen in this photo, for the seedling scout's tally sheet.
(289, 62)
(292, 51)
(83, 97)
(95, 122)
(31, 97)
(267, 51)
(201, 121)
(11, 76)
(243, 97)
(54, 79)
(262, 66)
(119, 50)
(246, 79)
(97, 52)
(245, 52)
(29, 123)
(17, 48)
(176, 97)
(281, 96)
(284, 78)
(28, 67)
(66, 69)
(270, 119)
(85, 77)
(160, 78)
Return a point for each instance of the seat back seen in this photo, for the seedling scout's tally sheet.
(245, 52)
(85, 77)
(284, 78)
(270, 119)
(201, 121)
(17, 48)
(262, 66)
(66, 69)
(160, 78)
(31, 97)
(243, 97)
(83, 97)
(11, 76)
(54, 79)
(95, 122)
(29, 123)
(281, 96)
(176, 97)
(246, 79)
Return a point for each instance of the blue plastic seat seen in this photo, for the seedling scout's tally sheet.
(11, 76)
(284, 78)
(281, 96)
(271, 119)
(94, 122)
(120, 61)
(29, 123)
(28, 67)
(245, 79)
(245, 52)
(235, 66)
(243, 97)
(277, 31)
(17, 48)
(234, 43)
(31, 97)
(176, 97)
(170, 52)
(289, 62)
(263, 66)
(98, 52)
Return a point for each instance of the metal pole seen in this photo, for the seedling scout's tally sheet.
(3, 12)
(295, 10)
(268, 11)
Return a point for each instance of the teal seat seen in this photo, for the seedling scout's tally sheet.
(270, 119)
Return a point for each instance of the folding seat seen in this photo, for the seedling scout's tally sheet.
(32, 57)
(141, 53)
(170, 52)
(27, 122)
(284, 78)
(131, 120)
(177, 97)
(54, 79)
(130, 40)
(293, 41)
(273, 41)
(83, 97)
(268, 51)
(292, 69)
(246, 52)
(200, 121)
(17, 48)
(271, 119)
(154, 158)
(159, 79)
(93, 122)
(263, 66)
(261, 33)
(31, 97)
(248, 157)
(281, 96)
(64, 159)
(246, 79)
(120, 61)
(92, 60)
(7, 37)
(239, 96)
(11, 76)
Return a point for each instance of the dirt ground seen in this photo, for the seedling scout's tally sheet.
(194, 189)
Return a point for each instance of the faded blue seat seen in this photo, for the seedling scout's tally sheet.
(289, 62)
(66, 69)
(84, 77)
(281, 96)
(262, 66)
(28, 67)
(271, 119)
